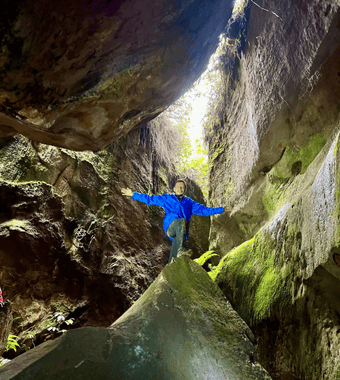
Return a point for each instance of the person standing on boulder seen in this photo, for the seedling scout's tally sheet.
(178, 210)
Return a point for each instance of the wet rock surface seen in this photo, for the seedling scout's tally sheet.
(82, 75)
(278, 164)
(274, 154)
(284, 282)
(181, 328)
(71, 246)
(283, 95)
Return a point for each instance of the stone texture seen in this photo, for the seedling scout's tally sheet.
(70, 243)
(6, 320)
(81, 76)
(275, 156)
(181, 328)
(276, 136)
(285, 92)
(285, 282)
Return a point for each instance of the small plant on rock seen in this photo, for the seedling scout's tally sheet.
(12, 342)
(59, 320)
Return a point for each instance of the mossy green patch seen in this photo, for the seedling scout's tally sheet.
(251, 269)
(287, 168)
(273, 197)
(294, 161)
(205, 257)
(19, 225)
(309, 152)
(267, 292)
(101, 162)
(337, 375)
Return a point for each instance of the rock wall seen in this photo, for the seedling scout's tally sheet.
(71, 246)
(81, 75)
(6, 320)
(73, 249)
(274, 148)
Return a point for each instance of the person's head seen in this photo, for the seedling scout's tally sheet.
(180, 187)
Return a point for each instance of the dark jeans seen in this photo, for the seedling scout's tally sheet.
(178, 231)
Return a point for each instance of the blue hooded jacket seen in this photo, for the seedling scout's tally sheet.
(175, 209)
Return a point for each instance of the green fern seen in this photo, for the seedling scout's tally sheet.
(12, 342)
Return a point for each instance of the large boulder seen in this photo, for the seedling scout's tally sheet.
(181, 328)
(81, 75)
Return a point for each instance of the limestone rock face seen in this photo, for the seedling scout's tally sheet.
(181, 328)
(81, 75)
(277, 136)
(285, 281)
(70, 244)
(282, 102)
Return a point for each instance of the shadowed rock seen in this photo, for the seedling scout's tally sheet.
(181, 328)
(6, 320)
(82, 74)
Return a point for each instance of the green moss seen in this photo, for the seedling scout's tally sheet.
(235, 260)
(48, 320)
(253, 272)
(309, 152)
(305, 154)
(19, 225)
(102, 162)
(20, 162)
(337, 375)
(205, 257)
(294, 161)
(272, 199)
(266, 294)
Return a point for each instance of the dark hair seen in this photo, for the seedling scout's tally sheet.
(182, 180)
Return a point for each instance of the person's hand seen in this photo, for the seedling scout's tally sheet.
(128, 192)
(227, 208)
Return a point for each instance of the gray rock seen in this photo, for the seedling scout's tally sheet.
(81, 75)
(181, 328)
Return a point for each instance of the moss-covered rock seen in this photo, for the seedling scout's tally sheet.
(181, 328)
(288, 268)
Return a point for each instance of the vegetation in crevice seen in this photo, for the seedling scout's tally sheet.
(169, 131)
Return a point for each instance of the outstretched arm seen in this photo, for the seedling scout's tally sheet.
(199, 209)
(145, 198)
